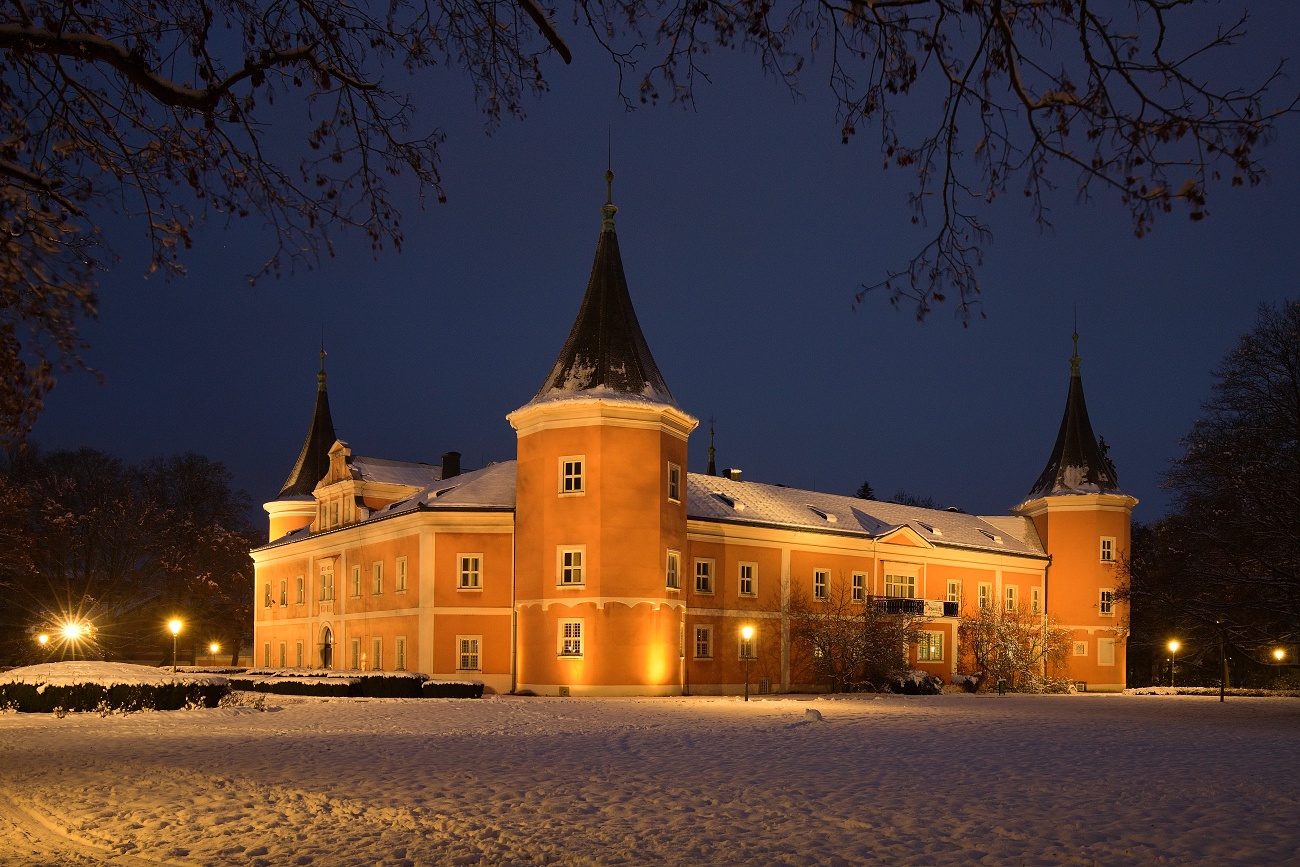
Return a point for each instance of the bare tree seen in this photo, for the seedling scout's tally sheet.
(173, 111)
(1024, 649)
(850, 644)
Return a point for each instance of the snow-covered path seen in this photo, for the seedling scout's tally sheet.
(952, 779)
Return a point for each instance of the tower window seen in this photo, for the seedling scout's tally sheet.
(572, 566)
(1108, 549)
(572, 478)
(1106, 604)
(570, 638)
(673, 578)
(471, 571)
(674, 483)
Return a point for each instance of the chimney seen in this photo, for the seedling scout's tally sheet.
(731, 473)
(450, 465)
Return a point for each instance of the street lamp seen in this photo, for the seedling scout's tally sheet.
(43, 640)
(72, 631)
(746, 633)
(213, 650)
(1173, 652)
(175, 626)
(1279, 655)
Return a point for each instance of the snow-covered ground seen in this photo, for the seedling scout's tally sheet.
(953, 779)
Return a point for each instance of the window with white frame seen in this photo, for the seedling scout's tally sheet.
(985, 595)
(284, 591)
(1080, 648)
(674, 483)
(1106, 604)
(301, 596)
(356, 583)
(266, 655)
(377, 578)
(471, 571)
(334, 513)
(673, 570)
(1107, 549)
(900, 586)
(401, 575)
(570, 635)
(1013, 597)
(954, 592)
(572, 563)
(748, 579)
(284, 655)
(703, 576)
(703, 642)
(1036, 600)
(821, 583)
(1105, 651)
(859, 586)
(930, 647)
(377, 654)
(467, 652)
(354, 654)
(745, 647)
(297, 654)
(572, 481)
(327, 585)
(399, 653)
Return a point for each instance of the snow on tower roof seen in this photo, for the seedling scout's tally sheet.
(606, 355)
(717, 498)
(1077, 464)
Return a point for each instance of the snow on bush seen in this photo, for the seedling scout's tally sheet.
(104, 687)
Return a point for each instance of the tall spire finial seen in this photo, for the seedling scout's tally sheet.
(607, 223)
(1074, 359)
(320, 377)
(713, 468)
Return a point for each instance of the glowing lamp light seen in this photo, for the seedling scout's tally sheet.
(174, 626)
(747, 632)
(1173, 646)
(72, 631)
(213, 648)
(1279, 654)
(42, 639)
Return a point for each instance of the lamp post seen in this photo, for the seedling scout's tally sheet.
(213, 650)
(44, 641)
(1173, 655)
(71, 632)
(746, 633)
(175, 626)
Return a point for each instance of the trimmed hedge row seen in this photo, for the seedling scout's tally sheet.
(84, 697)
(364, 686)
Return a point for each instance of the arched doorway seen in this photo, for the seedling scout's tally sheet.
(326, 648)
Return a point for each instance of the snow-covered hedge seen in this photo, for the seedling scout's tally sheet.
(72, 687)
(918, 683)
(352, 684)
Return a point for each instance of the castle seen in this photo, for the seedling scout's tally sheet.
(595, 564)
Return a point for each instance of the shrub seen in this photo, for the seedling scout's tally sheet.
(451, 689)
(334, 686)
(917, 683)
(391, 685)
(85, 697)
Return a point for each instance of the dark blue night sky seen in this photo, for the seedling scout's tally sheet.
(745, 227)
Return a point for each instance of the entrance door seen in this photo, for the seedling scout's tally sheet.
(327, 648)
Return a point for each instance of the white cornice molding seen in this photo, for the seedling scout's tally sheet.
(1076, 503)
(608, 411)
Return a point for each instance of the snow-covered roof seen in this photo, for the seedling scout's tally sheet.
(416, 475)
(715, 498)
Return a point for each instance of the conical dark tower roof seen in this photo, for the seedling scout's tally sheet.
(1077, 465)
(606, 353)
(314, 459)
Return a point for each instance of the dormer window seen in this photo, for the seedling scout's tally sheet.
(929, 528)
(992, 537)
(729, 502)
(824, 515)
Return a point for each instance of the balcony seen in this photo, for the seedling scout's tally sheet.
(918, 607)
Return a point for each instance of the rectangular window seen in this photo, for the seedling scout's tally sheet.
(1013, 601)
(674, 483)
(301, 595)
(356, 583)
(297, 654)
(821, 583)
(571, 477)
(377, 576)
(673, 571)
(266, 655)
(986, 595)
(746, 647)
(1036, 600)
(471, 571)
(284, 591)
(571, 567)
(327, 585)
(401, 574)
(954, 592)
(1105, 651)
(748, 579)
(703, 576)
(284, 655)
(354, 654)
(467, 652)
(267, 603)
(1106, 604)
(930, 647)
(1080, 648)
(900, 586)
(399, 650)
(570, 638)
(1107, 549)
(377, 654)
(859, 587)
(704, 642)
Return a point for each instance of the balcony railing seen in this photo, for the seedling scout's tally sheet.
(918, 607)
